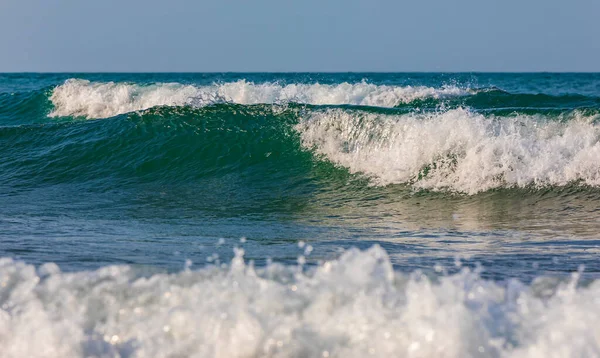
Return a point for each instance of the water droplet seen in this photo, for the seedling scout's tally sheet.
(308, 250)
(301, 260)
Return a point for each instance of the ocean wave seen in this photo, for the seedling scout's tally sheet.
(354, 306)
(458, 150)
(23, 107)
(173, 144)
(83, 98)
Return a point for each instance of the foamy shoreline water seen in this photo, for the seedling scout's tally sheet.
(354, 306)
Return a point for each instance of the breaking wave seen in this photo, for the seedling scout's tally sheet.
(459, 150)
(83, 98)
(455, 150)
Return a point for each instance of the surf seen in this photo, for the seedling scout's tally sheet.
(456, 150)
(459, 150)
(352, 306)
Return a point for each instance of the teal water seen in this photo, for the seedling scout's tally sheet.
(483, 187)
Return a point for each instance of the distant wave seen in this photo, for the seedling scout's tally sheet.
(106, 99)
(458, 150)
(354, 306)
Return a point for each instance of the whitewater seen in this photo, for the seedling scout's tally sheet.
(100, 100)
(354, 306)
(459, 150)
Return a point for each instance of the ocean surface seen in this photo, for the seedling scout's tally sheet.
(300, 215)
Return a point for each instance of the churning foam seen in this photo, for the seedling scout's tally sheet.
(106, 99)
(355, 306)
(458, 150)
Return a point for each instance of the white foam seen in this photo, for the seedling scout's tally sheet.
(355, 306)
(106, 99)
(458, 150)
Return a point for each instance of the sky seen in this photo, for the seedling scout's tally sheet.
(299, 35)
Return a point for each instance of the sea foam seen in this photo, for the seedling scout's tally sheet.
(354, 306)
(458, 150)
(83, 98)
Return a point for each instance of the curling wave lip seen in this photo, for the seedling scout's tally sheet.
(458, 150)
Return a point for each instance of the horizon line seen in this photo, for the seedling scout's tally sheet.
(298, 72)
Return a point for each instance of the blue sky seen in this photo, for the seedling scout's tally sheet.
(308, 35)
